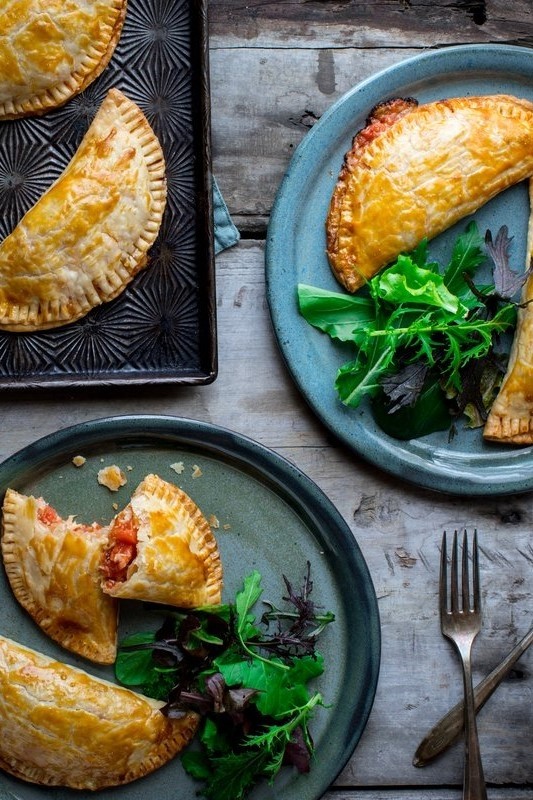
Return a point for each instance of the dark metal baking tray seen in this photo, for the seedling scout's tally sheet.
(162, 329)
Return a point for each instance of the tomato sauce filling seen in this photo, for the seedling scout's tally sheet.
(122, 548)
(47, 515)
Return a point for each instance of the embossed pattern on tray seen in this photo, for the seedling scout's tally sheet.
(162, 327)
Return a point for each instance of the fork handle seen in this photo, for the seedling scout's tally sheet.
(474, 780)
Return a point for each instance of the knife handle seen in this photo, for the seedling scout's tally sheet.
(450, 726)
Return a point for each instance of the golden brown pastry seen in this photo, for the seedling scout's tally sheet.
(53, 568)
(51, 49)
(510, 419)
(89, 234)
(63, 727)
(161, 549)
(415, 170)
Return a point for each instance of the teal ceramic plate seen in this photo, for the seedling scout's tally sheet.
(296, 254)
(271, 518)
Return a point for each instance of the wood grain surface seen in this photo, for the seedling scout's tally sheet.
(275, 68)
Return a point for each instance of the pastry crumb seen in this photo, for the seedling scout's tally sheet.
(178, 467)
(115, 506)
(112, 478)
(79, 461)
(129, 468)
(226, 527)
(196, 471)
(213, 522)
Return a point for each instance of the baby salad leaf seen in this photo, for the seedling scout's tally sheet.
(403, 388)
(507, 283)
(405, 282)
(245, 600)
(250, 685)
(339, 315)
(437, 323)
(363, 376)
(467, 255)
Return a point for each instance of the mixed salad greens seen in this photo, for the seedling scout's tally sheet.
(248, 682)
(426, 340)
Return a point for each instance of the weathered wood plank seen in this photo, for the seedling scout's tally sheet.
(373, 23)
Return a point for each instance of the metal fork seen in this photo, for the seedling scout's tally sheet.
(460, 619)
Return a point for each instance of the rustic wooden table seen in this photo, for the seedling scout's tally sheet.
(275, 68)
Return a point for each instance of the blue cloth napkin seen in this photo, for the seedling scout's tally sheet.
(226, 234)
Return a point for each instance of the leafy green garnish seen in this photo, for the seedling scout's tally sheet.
(414, 319)
(250, 685)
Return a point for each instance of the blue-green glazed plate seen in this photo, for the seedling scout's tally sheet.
(296, 253)
(270, 517)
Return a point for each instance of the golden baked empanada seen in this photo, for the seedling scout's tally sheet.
(51, 49)
(510, 418)
(88, 235)
(53, 568)
(63, 727)
(416, 170)
(161, 549)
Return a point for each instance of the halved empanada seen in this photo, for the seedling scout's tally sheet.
(416, 170)
(51, 49)
(161, 549)
(510, 419)
(63, 727)
(53, 568)
(88, 235)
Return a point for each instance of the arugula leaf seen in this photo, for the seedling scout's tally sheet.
(467, 256)
(339, 315)
(244, 602)
(361, 378)
(234, 774)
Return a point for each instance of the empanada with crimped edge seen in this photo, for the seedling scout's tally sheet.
(415, 170)
(52, 565)
(162, 549)
(51, 50)
(510, 418)
(89, 234)
(64, 727)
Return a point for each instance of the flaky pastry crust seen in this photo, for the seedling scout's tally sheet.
(176, 559)
(51, 50)
(89, 234)
(64, 727)
(510, 419)
(52, 565)
(415, 170)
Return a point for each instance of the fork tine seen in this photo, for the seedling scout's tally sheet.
(454, 590)
(475, 574)
(465, 580)
(443, 579)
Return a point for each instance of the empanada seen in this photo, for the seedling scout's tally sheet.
(63, 727)
(510, 418)
(53, 568)
(51, 49)
(415, 170)
(161, 549)
(89, 234)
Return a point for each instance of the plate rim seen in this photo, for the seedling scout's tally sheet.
(285, 478)
(390, 458)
